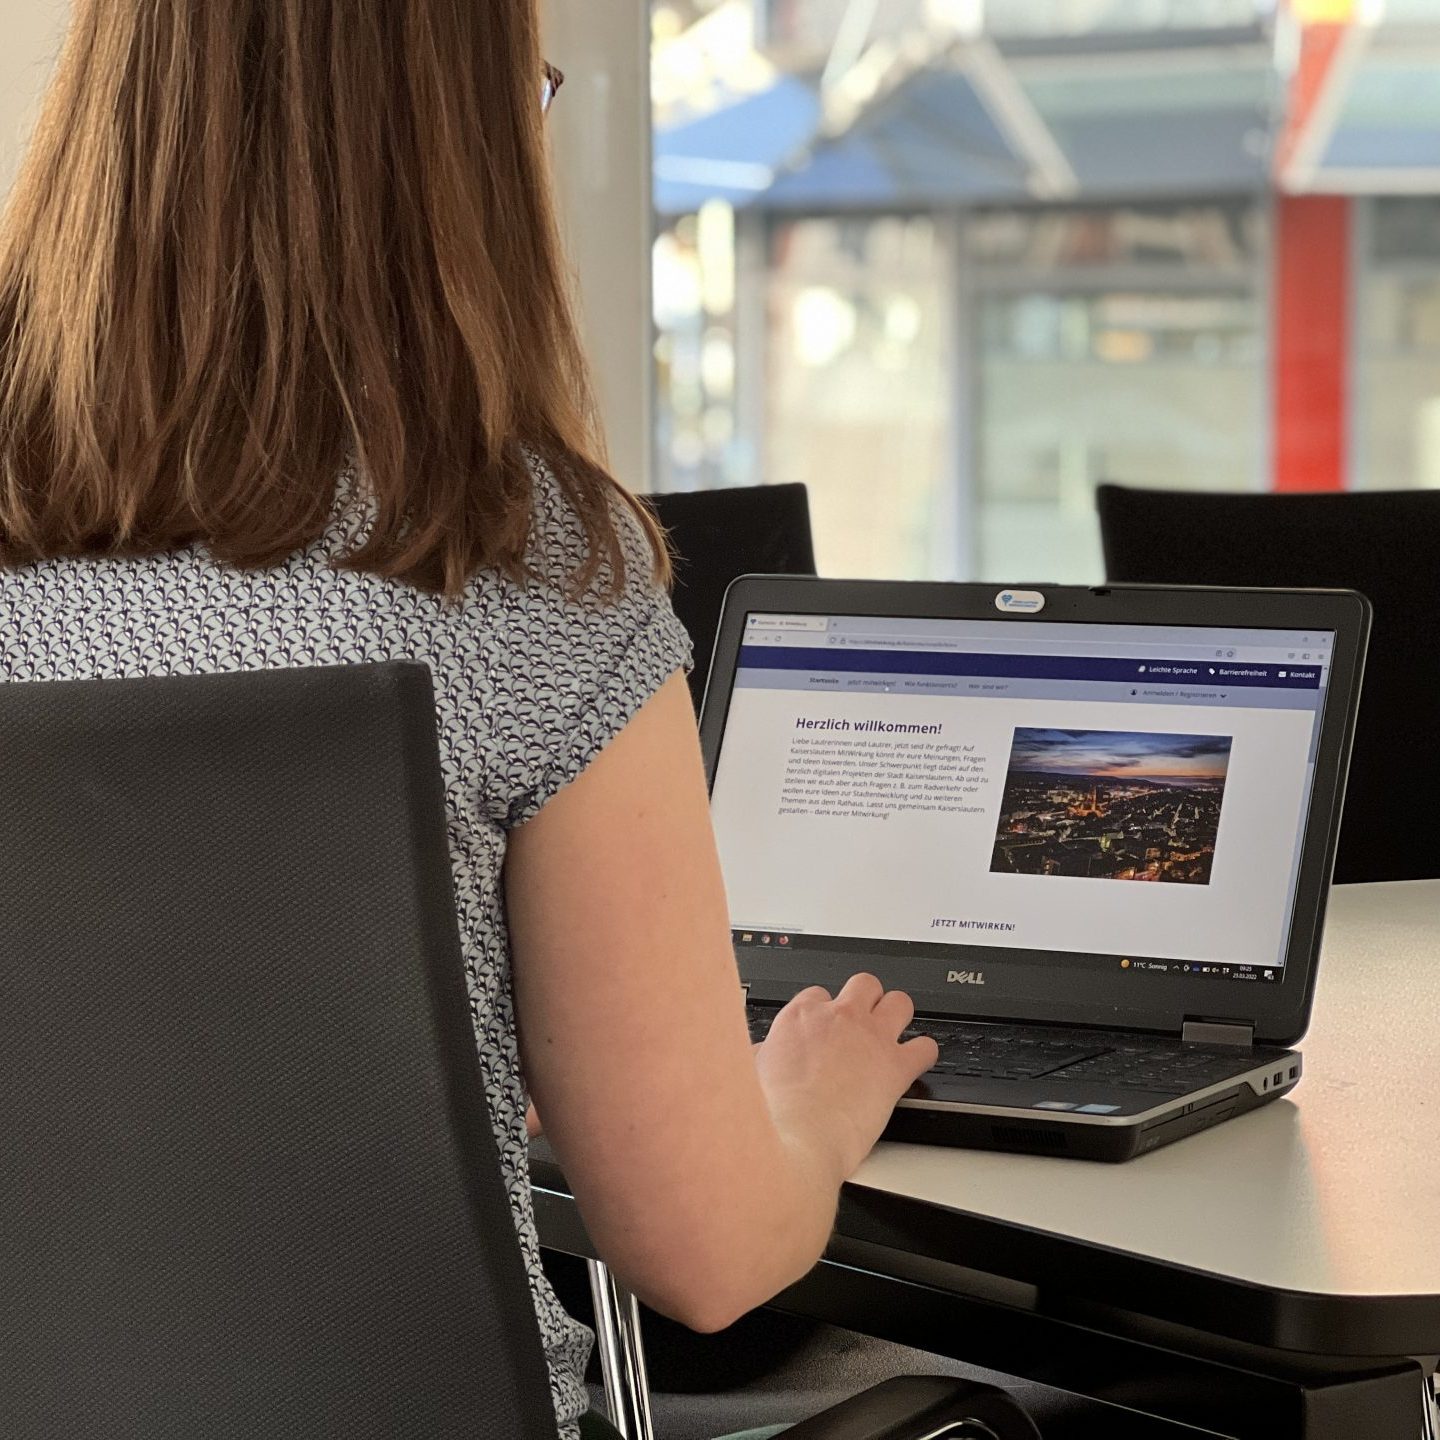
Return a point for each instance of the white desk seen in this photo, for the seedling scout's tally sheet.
(1333, 1194)
(1266, 1279)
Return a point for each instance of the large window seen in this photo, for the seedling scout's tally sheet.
(953, 264)
(953, 386)
(877, 271)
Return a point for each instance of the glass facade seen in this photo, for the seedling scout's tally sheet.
(952, 264)
(1119, 344)
(1398, 361)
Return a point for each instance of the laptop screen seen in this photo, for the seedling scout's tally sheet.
(1132, 796)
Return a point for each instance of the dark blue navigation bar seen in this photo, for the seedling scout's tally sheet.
(1031, 667)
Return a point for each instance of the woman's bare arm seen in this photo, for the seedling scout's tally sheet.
(707, 1177)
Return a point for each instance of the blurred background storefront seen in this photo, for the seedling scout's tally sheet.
(954, 262)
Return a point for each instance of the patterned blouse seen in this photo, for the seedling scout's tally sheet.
(530, 685)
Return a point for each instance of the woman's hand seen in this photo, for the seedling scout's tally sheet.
(832, 1069)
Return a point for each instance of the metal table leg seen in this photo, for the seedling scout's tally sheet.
(622, 1355)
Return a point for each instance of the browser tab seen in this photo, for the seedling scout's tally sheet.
(804, 624)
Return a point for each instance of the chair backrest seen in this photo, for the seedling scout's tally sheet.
(719, 535)
(248, 1184)
(1387, 546)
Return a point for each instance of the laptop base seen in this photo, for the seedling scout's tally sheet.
(1112, 1141)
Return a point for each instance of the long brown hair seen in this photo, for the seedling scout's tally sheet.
(257, 239)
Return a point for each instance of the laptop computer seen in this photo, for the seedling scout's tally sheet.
(1090, 831)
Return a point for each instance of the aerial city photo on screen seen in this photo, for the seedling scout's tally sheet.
(1112, 805)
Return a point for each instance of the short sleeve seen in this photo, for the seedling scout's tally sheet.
(588, 664)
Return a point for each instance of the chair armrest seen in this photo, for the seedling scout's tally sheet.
(921, 1407)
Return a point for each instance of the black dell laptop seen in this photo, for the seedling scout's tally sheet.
(1091, 831)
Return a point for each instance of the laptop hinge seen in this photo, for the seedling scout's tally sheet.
(1218, 1032)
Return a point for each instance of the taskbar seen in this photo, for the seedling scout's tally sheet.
(790, 940)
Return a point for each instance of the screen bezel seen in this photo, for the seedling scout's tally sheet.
(1280, 1011)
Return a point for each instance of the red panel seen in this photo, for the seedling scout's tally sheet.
(1319, 45)
(1312, 342)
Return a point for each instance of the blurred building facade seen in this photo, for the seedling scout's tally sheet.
(954, 262)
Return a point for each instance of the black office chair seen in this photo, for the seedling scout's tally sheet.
(248, 1184)
(1386, 545)
(719, 535)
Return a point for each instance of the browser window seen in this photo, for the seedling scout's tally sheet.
(1136, 792)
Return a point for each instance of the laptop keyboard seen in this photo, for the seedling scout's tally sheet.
(1024, 1052)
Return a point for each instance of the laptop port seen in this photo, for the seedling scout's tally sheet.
(1294, 1072)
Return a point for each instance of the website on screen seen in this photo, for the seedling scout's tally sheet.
(1084, 789)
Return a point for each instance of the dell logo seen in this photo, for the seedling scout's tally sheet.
(1023, 602)
(966, 977)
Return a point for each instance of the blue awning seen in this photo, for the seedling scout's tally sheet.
(931, 143)
(1390, 121)
(733, 153)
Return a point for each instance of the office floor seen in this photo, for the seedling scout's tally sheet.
(822, 1366)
